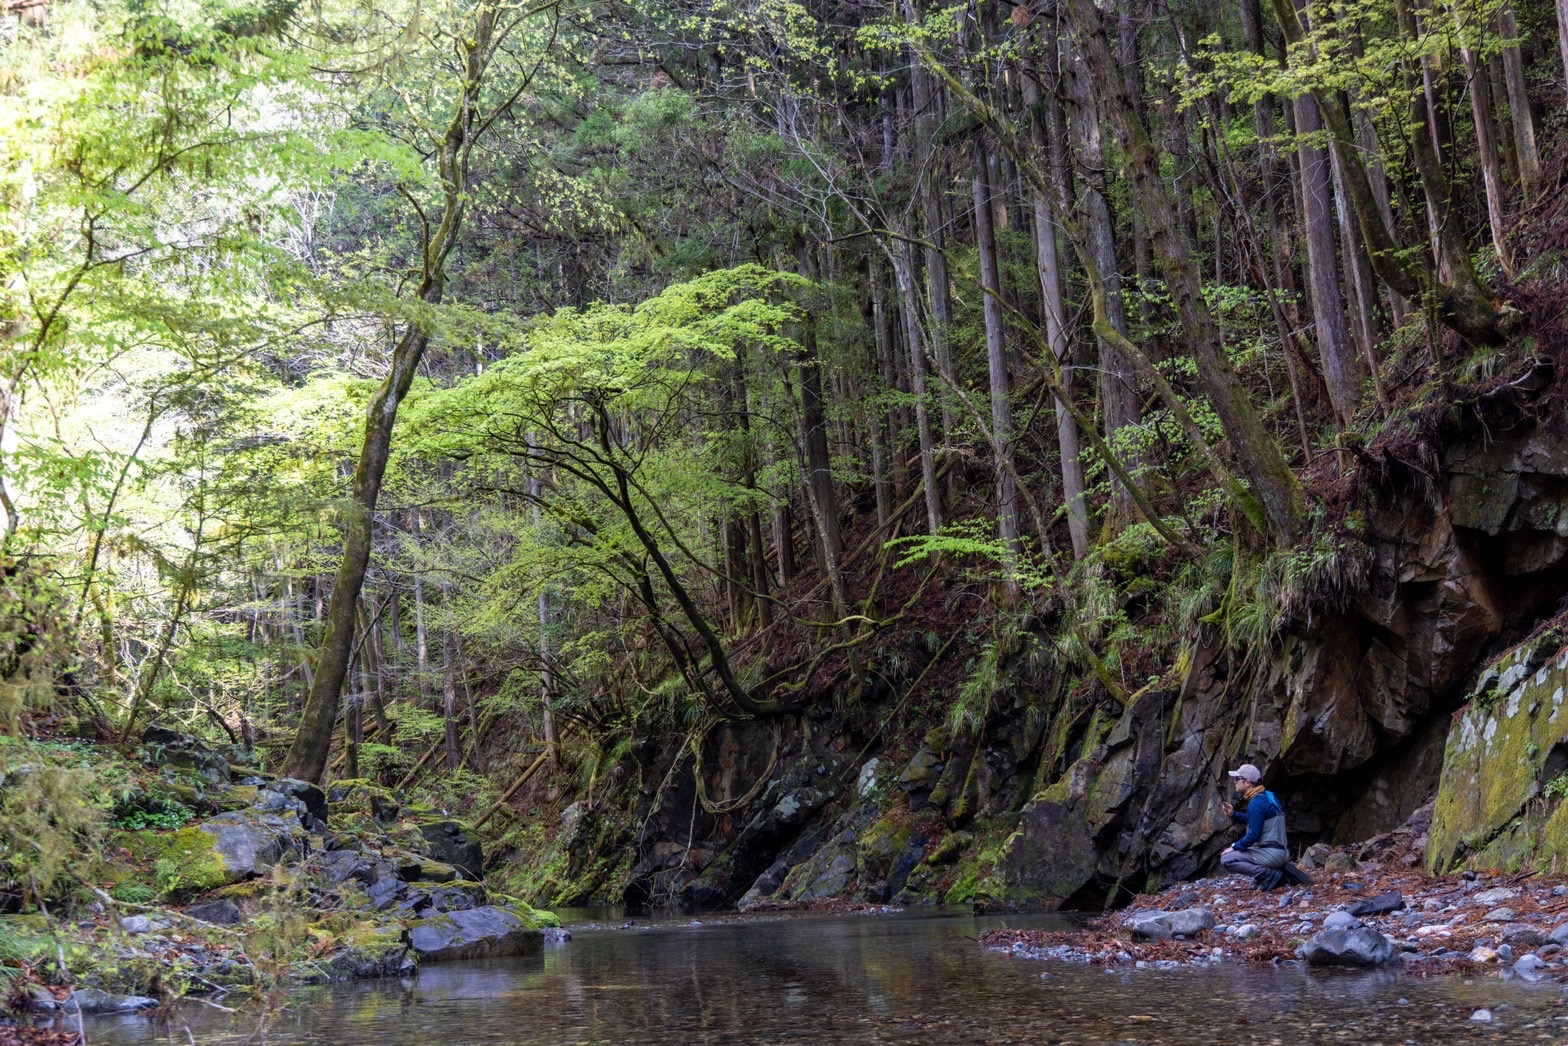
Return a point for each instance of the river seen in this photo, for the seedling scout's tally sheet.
(910, 978)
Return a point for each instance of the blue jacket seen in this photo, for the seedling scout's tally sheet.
(1259, 809)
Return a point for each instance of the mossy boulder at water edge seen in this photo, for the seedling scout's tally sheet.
(489, 932)
(1505, 768)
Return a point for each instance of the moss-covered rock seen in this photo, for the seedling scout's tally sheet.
(357, 798)
(479, 933)
(1505, 767)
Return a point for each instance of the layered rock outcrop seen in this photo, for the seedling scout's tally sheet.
(1348, 713)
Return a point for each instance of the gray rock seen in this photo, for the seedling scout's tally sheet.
(1245, 932)
(40, 998)
(1481, 1015)
(456, 844)
(1496, 895)
(1340, 921)
(1355, 946)
(94, 1000)
(1530, 968)
(1560, 935)
(219, 913)
(1499, 915)
(455, 896)
(1525, 936)
(311, 798)
(250, 842)
(142, 924)
(1560, 890)
(479, 933)
(1505, 952)
(1387, 902)
(1149, 926)
(1164, 925)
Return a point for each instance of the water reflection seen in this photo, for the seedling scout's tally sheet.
(861, 979)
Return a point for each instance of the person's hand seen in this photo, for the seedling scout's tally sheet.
(1229, 809)
(1227, 850)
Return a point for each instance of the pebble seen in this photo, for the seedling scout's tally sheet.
(1505, 952)
(1482, 954)
(1481, 1015)
(1560, 891)
(1499, 915)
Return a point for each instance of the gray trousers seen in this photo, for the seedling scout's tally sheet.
(1254, 860)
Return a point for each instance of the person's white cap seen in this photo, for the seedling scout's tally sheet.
(1247, 772)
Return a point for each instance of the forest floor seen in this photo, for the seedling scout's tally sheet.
(1513, 925)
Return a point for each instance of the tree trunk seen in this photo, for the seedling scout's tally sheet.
(1273, 483)
(1341, 366)
(903, 261)
(996, 365)
(449, 688)
(1118, 393)
(1520, 116)
(1482, 111)
(547, 714)
(307, 756)
(818, 464)
(1052, 304)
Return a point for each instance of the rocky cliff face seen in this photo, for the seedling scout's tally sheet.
(1348, 714)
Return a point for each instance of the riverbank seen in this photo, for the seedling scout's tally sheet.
(196, 874)
(1369, 905)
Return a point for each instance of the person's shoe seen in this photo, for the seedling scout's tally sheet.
(1296, 875)
(1270, 879)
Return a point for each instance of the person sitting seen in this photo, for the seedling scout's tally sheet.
(1262, 852)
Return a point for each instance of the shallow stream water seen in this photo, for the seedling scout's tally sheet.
(917, 977)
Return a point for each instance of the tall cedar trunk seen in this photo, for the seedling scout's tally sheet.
(996, 362)
(547, 713)
(757, 552)
(903, 273)
(1359, 272)
(1052, 304)
(1341, 366)
(307, 756)
(783, 521)
(421, 634)
(1272, 481)
(1118, 393)
(1520, 116)
(1132, 74)
(1562, 34)
(354, 725)
(881, 421)
(1483, 112)
(818, 465)
(449, 688)
(926, 92)
(376, 651)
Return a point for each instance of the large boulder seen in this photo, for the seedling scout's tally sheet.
(478, 933)
(249, 842)
(1505, 769)
(1161, 926)
(1353, 946)
(373, 951)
